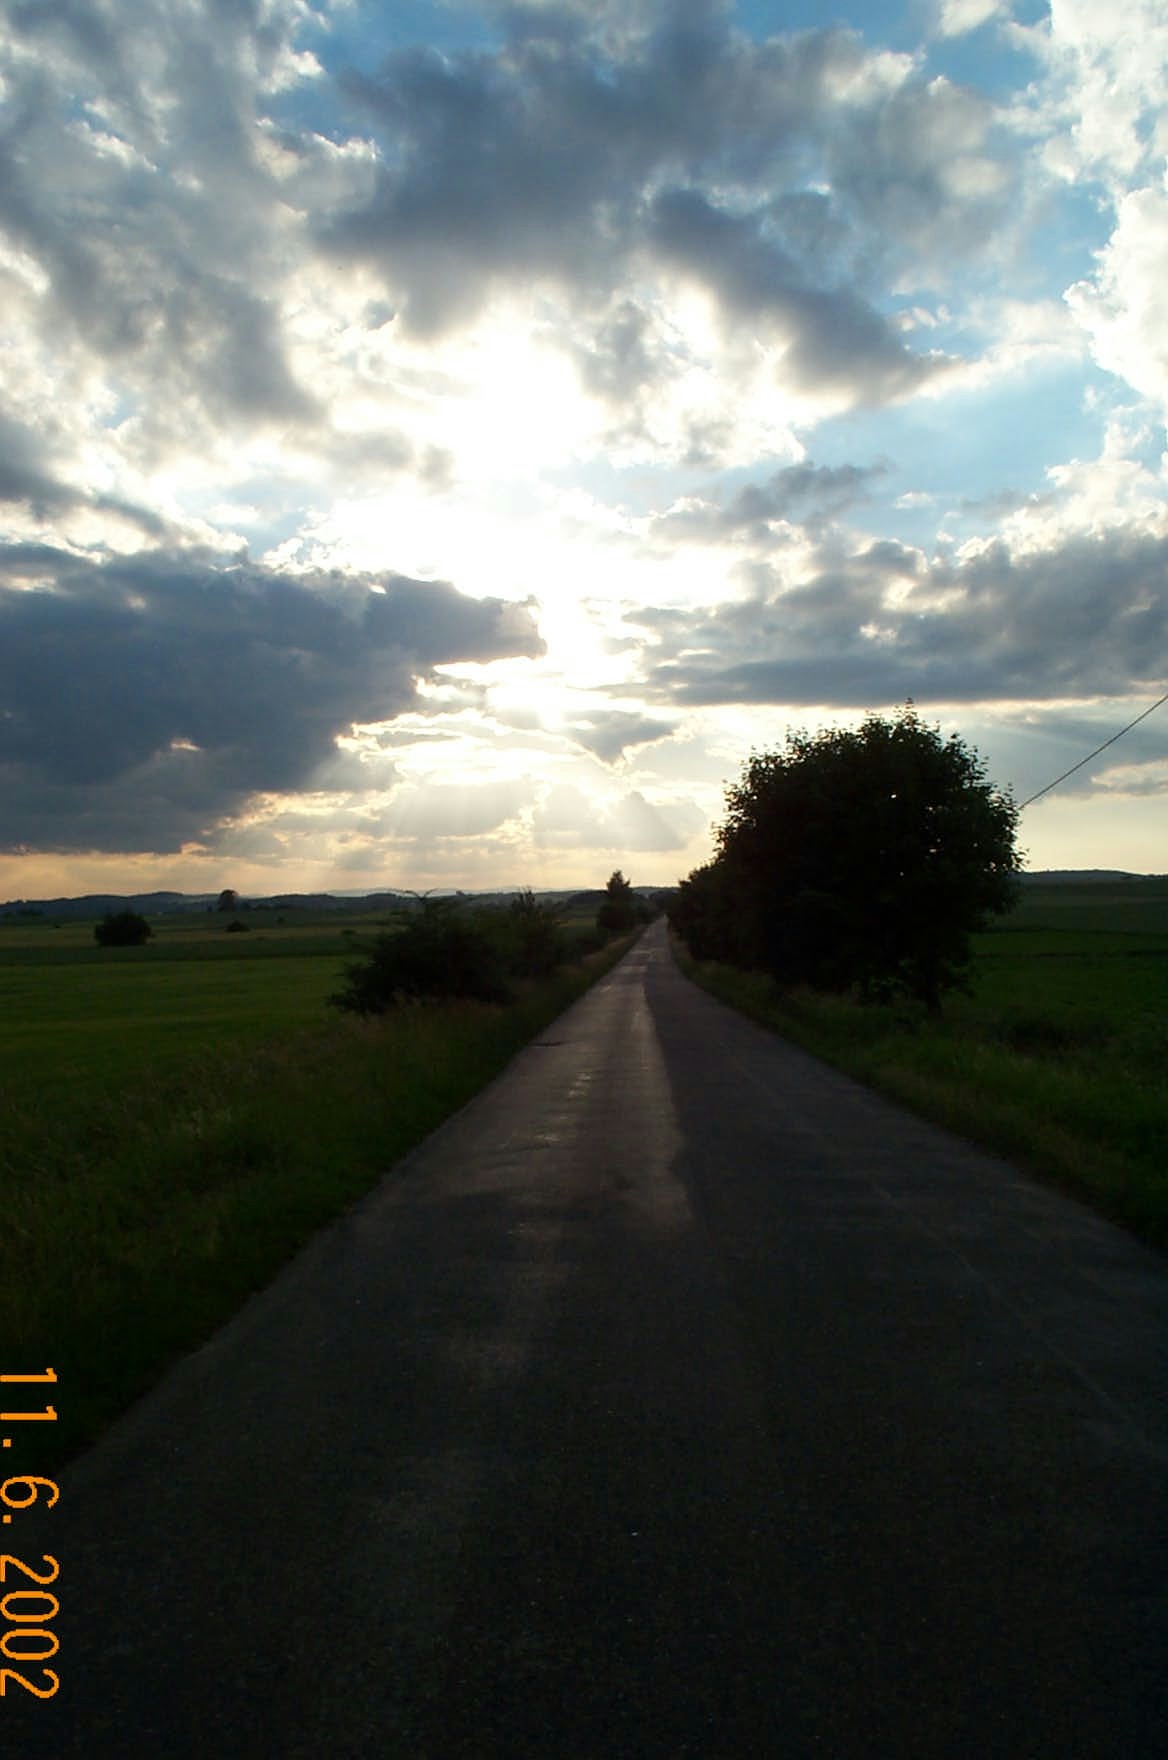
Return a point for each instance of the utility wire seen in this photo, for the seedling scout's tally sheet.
(1094, 754)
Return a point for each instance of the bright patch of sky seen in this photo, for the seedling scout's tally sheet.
(440, 439)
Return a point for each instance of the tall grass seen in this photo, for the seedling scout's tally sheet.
(1056, 1059)
(137, 1220)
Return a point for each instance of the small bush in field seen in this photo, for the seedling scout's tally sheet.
(122, 929)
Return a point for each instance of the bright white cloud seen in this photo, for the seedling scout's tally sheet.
(956, 17)
(1108, 67)
(1124, 307)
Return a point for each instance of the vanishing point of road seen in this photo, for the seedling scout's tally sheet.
(678, 1397)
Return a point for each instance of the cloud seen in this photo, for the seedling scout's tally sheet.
(148, 239)
(929, 169)
(569, 819)
(453, 810)
(811, 494)
(29, 479)
(956, 17)
(833, 341)
(634, 824)
(1124, 309)
(1146, 778)
(610, 733)
(1086, 617)
(1101, 105)
(1100, 116)
(587, 159)
(144, 700)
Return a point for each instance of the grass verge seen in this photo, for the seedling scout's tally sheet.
(137, 1222)
(1059, 1066)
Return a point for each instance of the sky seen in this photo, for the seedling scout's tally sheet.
(440, 440)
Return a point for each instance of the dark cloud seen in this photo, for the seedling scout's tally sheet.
(25, 474)
(28, 477)
(609, 733)
(619, 361)
(835, 341)
(1086, 618)
(144, 700)
(808, 493)
(589, 155)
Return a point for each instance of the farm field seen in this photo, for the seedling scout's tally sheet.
(177, 1119)
(1057, 1059)
(82, 1017)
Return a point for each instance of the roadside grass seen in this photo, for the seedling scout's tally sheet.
(144, 1204)
(1056, 1059)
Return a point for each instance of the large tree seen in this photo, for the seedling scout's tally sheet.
(862, 857)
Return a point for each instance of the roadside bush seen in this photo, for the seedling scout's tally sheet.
(446, 948)
(533, 937)
(586, 939)
(122, 929)
(439, 951)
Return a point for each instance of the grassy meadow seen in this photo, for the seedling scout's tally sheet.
(176, 1119)
(1057, 1059)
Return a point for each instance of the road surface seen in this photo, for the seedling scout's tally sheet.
(676, 1398)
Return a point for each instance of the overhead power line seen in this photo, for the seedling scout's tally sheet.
(1094, 754)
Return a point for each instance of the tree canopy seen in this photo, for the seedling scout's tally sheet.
(856, 858)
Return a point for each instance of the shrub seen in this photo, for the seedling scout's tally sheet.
(533, 937)
(122, 929)
(440, 951)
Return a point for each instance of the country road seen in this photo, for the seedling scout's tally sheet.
(676, 1398)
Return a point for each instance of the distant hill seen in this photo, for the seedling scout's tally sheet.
(167, 904)
(96, 904)
(1078, 876)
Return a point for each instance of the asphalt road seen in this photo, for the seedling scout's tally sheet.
(676, 1398)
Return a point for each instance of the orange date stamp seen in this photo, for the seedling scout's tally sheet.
(26, 1612)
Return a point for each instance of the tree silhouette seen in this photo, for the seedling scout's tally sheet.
(619, 910)
(858, 858)
(122, 929)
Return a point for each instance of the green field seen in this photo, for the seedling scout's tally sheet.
(87, 1017)
(1057, 1058)
(176, 1119)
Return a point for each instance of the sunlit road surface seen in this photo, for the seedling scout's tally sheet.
(676, 1398)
